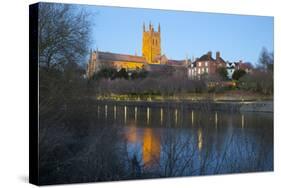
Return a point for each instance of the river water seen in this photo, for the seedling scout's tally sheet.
(176, 141)
(102, 142)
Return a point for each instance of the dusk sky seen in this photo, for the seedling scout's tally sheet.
(183, 33)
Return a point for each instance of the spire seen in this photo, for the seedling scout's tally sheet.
(159, 27)
(150, 26)
(143, 26)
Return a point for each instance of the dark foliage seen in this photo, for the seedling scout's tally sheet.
(238, 74)
(222, 73)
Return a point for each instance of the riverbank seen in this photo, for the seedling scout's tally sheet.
(232, 95)
(236, 100)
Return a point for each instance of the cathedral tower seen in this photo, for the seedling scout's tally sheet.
(151, 44)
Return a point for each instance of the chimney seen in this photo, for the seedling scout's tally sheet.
(218, 55)
(209, 54)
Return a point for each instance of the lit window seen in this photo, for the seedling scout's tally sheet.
(207, 70)
(199, 71)
(206, 64)
(199, 64)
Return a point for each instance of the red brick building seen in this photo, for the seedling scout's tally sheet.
(205, 65)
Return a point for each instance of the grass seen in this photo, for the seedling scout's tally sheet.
(234, 95)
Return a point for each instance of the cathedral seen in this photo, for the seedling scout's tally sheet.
(151, 56)
(153, 60)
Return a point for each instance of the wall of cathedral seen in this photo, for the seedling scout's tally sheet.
(151, 45)
(128, 65)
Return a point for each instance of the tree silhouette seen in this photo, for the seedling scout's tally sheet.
(64, 34)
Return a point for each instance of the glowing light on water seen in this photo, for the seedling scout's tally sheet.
(125, 114)
(114, 109)
(136, 113)
(147, 115)
(176, 116)
(161, 116)
(151, 147)
(98, 111)
(105, 109)
(131, 135)
(242, 121)
(192, 117)
(216, 120)
(200, 139)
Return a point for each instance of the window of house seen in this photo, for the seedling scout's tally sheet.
(206, 64)
(207, 70)
(199, 71)
(199, 64)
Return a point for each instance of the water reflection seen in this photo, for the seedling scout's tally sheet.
(125, 114)
(147, 116)
(105, 113)
(151, 147)
(114, 111)
(132, 135)
(148, 129)
(192, 117)
(164, 141)
(176, 116)
(200, 139)
(216, 120)
(136, 113)
(242, 121)
(161, 116)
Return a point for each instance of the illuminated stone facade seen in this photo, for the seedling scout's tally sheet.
(151, 54)
(151, 44)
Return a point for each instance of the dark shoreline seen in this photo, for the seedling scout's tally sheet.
(207, 105)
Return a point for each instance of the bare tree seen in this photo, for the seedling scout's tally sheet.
(266, 59)
(64, 34)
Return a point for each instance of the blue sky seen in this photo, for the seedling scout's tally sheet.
(183, 33)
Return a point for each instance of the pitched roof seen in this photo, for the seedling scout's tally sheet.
(120, 57)
(176, 62)
(205, 57)
(245, 65)
(221, 59)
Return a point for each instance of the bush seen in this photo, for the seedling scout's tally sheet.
(238, 74)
